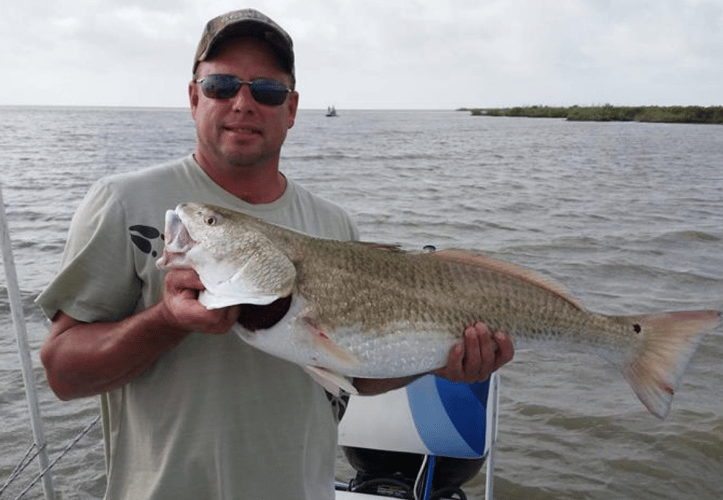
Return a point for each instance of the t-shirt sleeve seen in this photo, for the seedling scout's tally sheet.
(97, 280)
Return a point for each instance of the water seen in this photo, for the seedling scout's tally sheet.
(627, 215)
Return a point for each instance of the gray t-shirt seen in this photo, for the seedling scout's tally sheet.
(213, 418)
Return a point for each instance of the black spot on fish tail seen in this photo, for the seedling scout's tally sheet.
(255, 317)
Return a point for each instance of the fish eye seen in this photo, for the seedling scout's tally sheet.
(211, 220)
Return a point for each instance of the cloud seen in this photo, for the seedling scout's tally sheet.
(498, 53)
(378, 53)
(91, 52)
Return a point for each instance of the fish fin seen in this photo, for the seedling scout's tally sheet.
(669, 341)
(331, 381)
(386, 247)
(324, 343)
(528, 275)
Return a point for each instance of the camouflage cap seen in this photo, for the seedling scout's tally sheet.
(246, 22)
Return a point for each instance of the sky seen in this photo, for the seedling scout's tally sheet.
(377, 54)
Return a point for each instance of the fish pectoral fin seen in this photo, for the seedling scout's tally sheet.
(331, 381)
(326, 344)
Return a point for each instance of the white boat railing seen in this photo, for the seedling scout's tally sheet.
(16, 311)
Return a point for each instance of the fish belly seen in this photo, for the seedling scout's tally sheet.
(397, 350)
(401, 352)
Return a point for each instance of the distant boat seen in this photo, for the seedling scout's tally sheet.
(331, 111)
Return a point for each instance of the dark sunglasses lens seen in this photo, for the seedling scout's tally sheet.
(263, 90)
(269, 92)
(220, 86)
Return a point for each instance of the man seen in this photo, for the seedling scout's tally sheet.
(189, 411)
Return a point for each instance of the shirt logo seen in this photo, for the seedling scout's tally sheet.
(141, 237)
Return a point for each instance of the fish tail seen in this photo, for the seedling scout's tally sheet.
(668, 342)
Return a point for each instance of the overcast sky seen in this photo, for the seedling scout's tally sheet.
(377, 54)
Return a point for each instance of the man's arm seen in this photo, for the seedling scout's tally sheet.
(85, 359)
(481, 354)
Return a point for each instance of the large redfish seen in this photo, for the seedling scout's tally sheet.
(365, 310)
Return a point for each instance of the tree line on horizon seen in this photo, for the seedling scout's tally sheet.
(608, 112)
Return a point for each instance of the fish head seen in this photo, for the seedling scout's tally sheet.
(235, 261)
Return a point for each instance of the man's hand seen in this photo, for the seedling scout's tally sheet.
(481, 354)
(183, 309)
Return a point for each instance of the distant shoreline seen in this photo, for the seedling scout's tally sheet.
(608, 112)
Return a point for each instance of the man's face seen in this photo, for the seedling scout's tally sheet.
(240, 132)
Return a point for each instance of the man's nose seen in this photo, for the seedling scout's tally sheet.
(243, 99)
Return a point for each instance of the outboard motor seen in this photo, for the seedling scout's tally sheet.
(395, 473)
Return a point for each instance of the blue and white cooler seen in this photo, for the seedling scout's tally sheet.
(428, 438)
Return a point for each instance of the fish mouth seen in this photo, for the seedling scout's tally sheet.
(177, 241)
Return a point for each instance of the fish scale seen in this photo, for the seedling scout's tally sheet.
(368, 310)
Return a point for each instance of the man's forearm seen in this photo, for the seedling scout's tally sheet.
(85, 359)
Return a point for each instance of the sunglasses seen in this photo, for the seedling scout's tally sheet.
(263, 90)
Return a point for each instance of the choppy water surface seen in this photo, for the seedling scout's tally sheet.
(629, 216)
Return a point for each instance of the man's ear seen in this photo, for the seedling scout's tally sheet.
(193, 97)
(293, 103)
